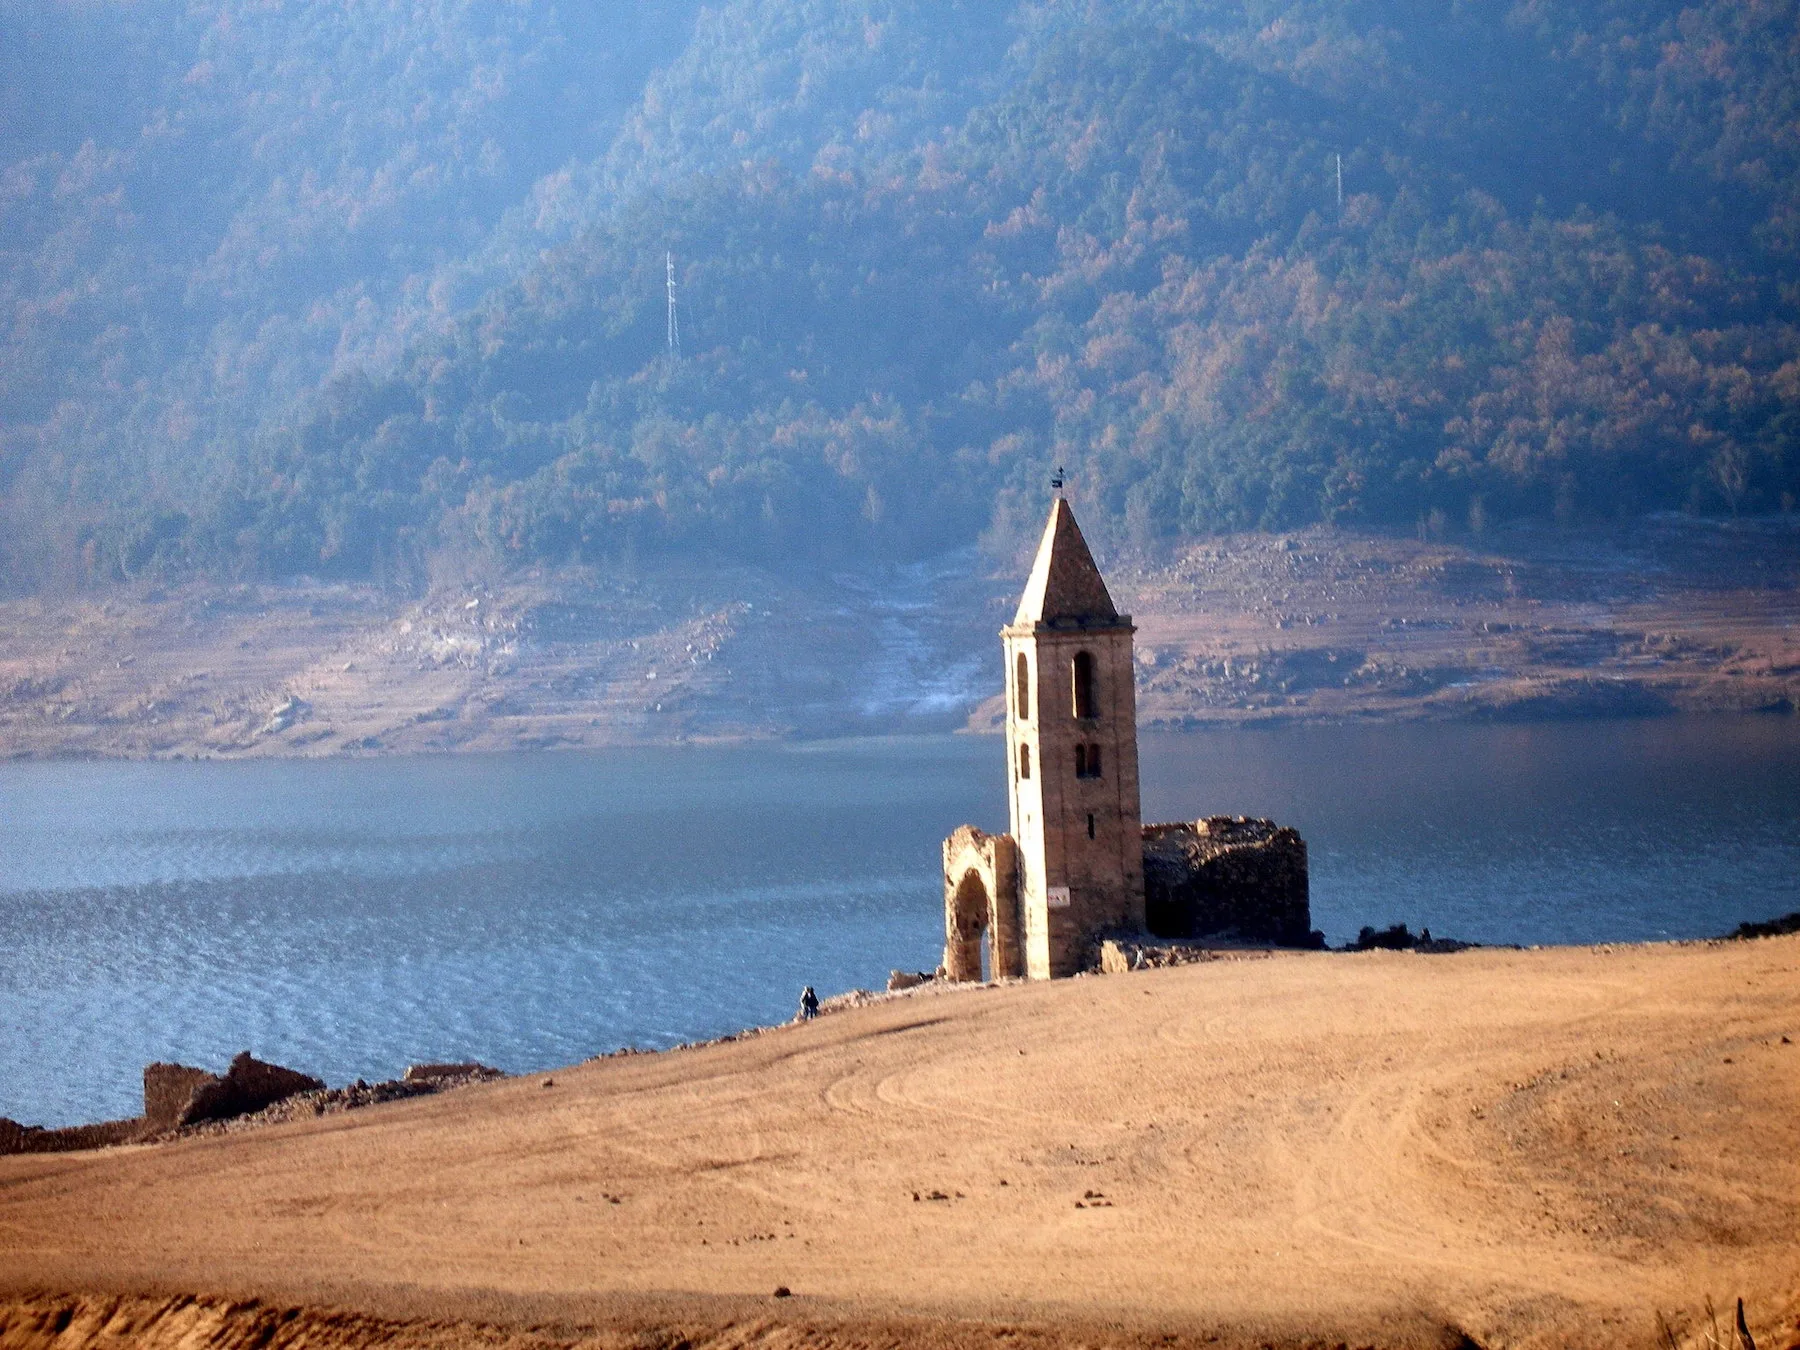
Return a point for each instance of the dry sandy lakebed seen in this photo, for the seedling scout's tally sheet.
(1493, 1148)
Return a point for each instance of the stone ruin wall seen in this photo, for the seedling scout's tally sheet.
(981, 900)
(1227, 879)
(248, 1086)
(17, 1138)
(167, 1089)
(175, 1095)
(1230, 877)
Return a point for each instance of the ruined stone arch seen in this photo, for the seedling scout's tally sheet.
(981, 905)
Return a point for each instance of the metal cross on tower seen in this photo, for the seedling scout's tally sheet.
(1056, 481)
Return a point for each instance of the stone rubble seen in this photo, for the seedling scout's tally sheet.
(181, 1101)
(325, 1101)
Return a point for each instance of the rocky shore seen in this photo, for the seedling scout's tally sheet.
(182, 1102)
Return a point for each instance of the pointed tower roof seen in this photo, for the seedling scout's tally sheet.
(1065, 589)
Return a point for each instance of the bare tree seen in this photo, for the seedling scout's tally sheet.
(1730, 468)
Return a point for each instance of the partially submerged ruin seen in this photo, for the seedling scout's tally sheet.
(1078, 865)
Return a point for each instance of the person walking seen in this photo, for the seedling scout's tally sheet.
(809, 1004)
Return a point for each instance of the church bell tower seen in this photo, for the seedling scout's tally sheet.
(1071, 743)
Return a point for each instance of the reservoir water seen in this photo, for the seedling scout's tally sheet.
(348, 917)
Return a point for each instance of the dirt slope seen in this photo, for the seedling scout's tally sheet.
(1665, 615)
(567, 658)
(1662, 615)
(1524, 1148)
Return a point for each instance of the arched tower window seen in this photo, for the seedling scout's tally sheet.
(1022, 700)
(1024, 761)
(1081, 761)
(1083, 671)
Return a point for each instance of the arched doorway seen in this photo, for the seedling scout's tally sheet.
(981, 907)
(965, 953)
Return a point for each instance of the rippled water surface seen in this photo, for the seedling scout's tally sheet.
(349, 917)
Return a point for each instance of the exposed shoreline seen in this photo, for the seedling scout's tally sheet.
(1662, 617)
(361, 1095)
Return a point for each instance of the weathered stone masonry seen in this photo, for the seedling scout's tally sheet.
(981, 897)
(1078, 863)
(1071, 729)
(1227, 877)
(175, 1095)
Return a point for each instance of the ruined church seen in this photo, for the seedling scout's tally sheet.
(1078, 867)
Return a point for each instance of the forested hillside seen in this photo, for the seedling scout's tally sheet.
(341, 289)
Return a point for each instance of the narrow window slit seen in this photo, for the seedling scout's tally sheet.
(1083, 672)
(1087, 761)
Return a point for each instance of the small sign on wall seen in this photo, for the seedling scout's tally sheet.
(1057, 897)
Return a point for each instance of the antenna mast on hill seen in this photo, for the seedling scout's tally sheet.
(674, 322)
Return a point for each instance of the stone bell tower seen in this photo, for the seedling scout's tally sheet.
(1072, 769)
(1065, 891)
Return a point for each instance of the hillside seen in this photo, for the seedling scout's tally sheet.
(377, 294)
(1528, 1149)
(1321, 625)
(1664, 616)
